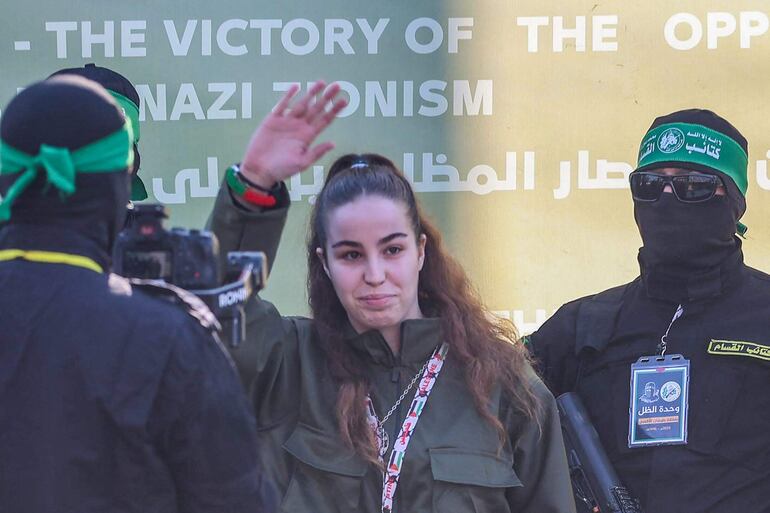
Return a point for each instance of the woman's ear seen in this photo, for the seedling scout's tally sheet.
(421, 243)
(320, 254)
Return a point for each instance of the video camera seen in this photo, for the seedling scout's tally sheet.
(189, 259)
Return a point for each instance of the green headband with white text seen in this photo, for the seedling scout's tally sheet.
(695, 144)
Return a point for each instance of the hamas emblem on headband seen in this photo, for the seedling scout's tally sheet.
(671, 140)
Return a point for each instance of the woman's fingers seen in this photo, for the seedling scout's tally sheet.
(319, 107)
(300, 108)
(317, 151)
(328, 116)
(283, 103)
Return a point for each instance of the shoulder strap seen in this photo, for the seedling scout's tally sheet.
(191, 303)
(594, 327)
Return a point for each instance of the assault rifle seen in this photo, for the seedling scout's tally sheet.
(595, 483)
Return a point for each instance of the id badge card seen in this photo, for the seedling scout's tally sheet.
(659, 400)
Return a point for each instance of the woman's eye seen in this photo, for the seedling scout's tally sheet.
(393, 250)
(351, 255)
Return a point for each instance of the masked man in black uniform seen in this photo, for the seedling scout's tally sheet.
(110, 400)
(688, 426)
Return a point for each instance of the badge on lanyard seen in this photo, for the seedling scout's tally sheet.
(659, 400)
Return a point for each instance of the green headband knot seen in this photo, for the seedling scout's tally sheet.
(58, 165)
(107, 155)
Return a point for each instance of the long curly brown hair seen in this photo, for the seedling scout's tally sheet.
(486, 348)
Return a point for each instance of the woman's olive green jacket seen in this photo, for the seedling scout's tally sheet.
(454, 462)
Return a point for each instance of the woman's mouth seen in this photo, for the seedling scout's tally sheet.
(376, 300)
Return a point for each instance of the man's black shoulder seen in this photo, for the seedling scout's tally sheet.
(759, 278)
(154, 301)
(159, 316)
(561, 326)
(179, 297)
(555, 345)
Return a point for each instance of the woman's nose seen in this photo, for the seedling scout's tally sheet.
(374, 274)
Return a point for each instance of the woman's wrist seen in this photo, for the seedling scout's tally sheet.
(258, 178)
(249, 193)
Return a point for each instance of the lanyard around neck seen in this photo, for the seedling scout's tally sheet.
(664, 339)
(50, 257)
(396, 460)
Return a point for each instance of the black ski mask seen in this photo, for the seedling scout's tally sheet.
(690, 238)
(685, 237)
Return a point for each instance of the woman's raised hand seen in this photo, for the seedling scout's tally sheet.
(282, 145)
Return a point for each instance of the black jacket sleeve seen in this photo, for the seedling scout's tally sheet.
(553, 349)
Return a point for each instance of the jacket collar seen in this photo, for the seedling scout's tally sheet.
(419, 337)
(52, 238)
(662, 283)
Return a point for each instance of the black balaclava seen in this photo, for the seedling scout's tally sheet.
(691, 238)
(70, 115)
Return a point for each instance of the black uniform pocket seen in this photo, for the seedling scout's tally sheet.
(730, 411)
(326, 477)
(470, 481)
